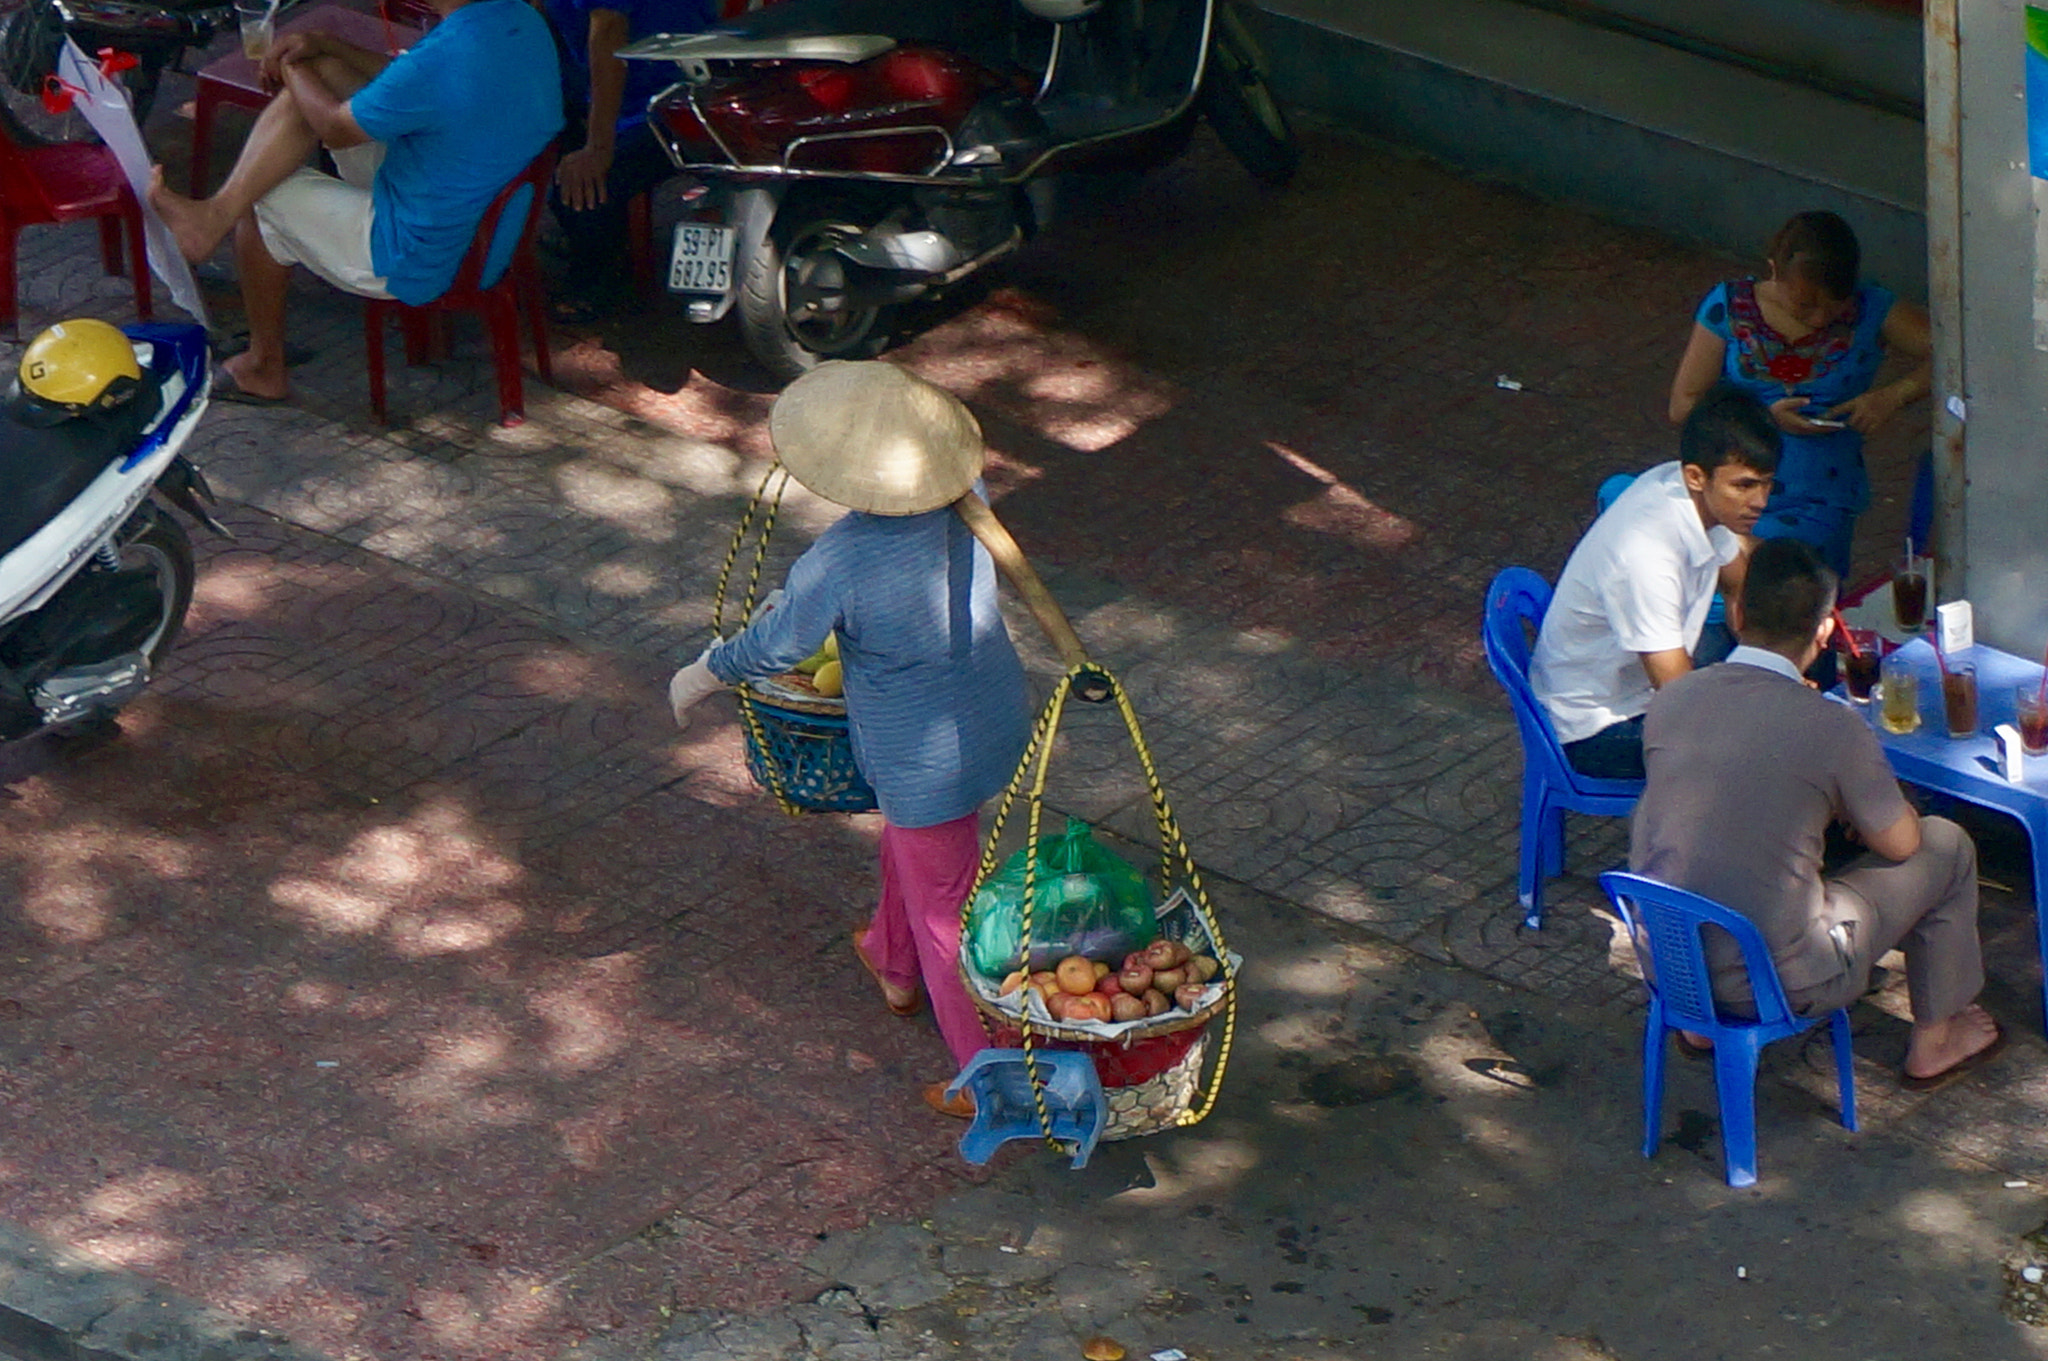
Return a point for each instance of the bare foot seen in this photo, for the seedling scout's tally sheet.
(1941, 1045)
(191, 220)
(257, 382)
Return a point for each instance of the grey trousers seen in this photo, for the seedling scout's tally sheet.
(1927, 906)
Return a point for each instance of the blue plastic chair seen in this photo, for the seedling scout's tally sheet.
(1515, 605)
(1671, 920)
(1000, 1082)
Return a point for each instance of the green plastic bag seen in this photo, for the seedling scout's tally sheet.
(1087, 900)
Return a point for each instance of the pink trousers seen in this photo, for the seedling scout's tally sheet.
(915, 937)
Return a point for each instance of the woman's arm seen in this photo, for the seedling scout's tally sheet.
(1906, 331)
(793, 630)
(1699, 370)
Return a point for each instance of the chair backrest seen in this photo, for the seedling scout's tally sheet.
(22, 195)
(487, 260)
(1671, 922)
(1516, 602)
(1515, 605)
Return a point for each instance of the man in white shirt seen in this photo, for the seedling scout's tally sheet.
(1629, 608)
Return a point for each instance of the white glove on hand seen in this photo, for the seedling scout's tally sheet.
(690, 685)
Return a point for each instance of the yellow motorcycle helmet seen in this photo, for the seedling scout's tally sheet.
(75, 368)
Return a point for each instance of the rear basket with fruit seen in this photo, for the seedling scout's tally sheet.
(1150, 1064)
(799, 747)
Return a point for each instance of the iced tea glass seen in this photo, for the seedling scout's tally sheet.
(1909, 594)
(1898, 696)
(1859, 663)
(2030, 710)
(255, 18)
(1959, 699)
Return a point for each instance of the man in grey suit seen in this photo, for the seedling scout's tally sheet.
(1747, 766)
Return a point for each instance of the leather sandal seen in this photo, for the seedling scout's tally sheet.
(959, 1105)
(900, 1001)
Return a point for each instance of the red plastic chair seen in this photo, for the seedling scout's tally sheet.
(498, 304)
(66, 183)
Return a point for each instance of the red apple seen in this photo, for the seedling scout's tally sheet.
(1188, 996)
(1166, 954)
(1091, 1006)
(1110, 985)
(1137, 975)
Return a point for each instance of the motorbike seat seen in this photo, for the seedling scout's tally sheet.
(979, 29)
(45, 469)
(846, 48)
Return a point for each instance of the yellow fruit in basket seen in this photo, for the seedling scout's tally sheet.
(809, 665)
(830, 680)
(831, 648)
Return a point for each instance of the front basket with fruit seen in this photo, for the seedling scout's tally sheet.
(1067, 945)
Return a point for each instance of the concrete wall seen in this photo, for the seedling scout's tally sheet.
(1849, 43)
(2005, 379)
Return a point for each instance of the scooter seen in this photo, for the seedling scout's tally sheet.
(154, 32)
(95, 575)
(851, 156)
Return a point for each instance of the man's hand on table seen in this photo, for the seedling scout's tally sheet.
(289, 47)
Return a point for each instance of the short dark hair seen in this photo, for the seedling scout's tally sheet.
(1728, 425)
(1820, 248)
(1787, 591)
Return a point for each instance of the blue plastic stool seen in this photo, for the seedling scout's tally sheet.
(1515, 604)
(1669, 921)
(1000, 1083)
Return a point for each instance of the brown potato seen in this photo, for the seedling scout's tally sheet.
(1205, 968)
(1166, 980)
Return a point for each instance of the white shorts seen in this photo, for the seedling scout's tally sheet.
(323, 223)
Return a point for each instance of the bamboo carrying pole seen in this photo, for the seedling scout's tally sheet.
(1011, 562)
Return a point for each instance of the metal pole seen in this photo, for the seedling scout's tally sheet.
(1945, 290)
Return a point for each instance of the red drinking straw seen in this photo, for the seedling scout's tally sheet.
(1934, 637)
(2044, 682)
(1849, 638)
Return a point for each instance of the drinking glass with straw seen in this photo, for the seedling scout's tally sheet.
(1909, 591)
(1859, 671)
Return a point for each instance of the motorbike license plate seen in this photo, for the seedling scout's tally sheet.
(701, 259)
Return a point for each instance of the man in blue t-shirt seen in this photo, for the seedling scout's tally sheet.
(424, 141)
(619, 156)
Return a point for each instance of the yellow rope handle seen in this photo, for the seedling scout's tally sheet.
(1173, 849)
(755, 731)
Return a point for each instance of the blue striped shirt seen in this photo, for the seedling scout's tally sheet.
(934, 692)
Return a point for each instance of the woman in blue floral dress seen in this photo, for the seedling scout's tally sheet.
(1807, 340)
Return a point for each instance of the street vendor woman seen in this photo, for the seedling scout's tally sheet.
(935, 695)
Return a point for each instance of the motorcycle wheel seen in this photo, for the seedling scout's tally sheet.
(30, 34)
(786, 315)
(153, 541)
(1239, 103)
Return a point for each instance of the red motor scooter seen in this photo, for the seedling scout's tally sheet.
(854, 155)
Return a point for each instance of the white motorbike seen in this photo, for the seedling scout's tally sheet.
(95, 576)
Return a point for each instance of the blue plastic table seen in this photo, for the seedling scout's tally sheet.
(1967, 768)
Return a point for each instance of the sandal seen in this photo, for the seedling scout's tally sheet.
(901, 1001)
(959, 1105)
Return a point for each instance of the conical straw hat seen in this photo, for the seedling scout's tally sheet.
(875, 437)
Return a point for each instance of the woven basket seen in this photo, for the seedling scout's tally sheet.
(804, 758)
